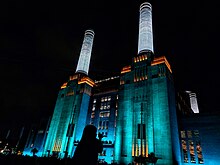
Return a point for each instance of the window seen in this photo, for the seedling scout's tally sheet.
(189, 134)
(199, 152)
(101, 107)
(196, 133)
(93, 107)
(106, 124)
(94, 101)
(191, 146)
(106, 98)
(104, 114)
(185, 153)
(102, 99)
(192, 152)
(183, 134)
(93, 115)
(108, 105)
(103, 124)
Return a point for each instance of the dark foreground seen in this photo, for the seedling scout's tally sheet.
(27, 160)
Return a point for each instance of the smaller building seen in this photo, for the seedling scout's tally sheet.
(102, 113)
(200, 138)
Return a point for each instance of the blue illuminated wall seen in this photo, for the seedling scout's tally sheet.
(37, 137)
(201, 130)
(69, 117)
(146, 114)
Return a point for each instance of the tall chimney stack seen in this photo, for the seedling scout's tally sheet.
(85, 54)
(145, 43)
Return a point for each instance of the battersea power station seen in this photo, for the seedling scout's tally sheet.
(136, 111)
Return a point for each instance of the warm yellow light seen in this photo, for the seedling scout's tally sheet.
(126, 69)
(64, 85)
(74, 77)
(160, 60)
(86, 80)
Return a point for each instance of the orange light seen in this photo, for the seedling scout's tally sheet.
(126, 69)
(87, 80)
(161, 60)
(74, 77)
(64, 85)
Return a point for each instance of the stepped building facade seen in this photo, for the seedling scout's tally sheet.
(135, 111)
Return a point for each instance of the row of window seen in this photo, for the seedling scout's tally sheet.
(102, 106)
(103, 99)
(103, 124)
(101, 114)
(190, 134)
(104, 154)
(191, 147)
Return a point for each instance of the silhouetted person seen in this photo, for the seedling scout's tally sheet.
(86, 152)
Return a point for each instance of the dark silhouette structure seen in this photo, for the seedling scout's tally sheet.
(88, 148)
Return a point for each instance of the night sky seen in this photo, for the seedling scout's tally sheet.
(40, 44)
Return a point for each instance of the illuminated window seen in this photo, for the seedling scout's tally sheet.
(196, 133)
(104, 114)
(93, 115)
(94, 101)
(183, 134)
(185, 153)
(102, 105)
(106, 98)
(102, 99)
(199, 152)
(109, 98)
(192, 152)
(191, 145)
(189, 134)
(108, 105)
(93, 107)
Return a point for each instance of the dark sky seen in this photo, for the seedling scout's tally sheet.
(40, 44)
